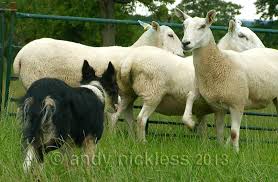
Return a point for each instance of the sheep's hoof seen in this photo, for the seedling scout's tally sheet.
(189, 123)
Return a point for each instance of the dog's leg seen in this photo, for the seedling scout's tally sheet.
(32, 155)
(89, 146)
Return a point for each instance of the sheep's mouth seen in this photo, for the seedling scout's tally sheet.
(181, 55)
(186, 48)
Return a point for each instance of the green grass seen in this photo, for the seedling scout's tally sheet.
(121, 158)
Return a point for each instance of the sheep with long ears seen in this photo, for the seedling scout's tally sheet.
(63, 60)
(128, 97)
(228, 80)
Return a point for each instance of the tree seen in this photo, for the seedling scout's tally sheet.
(87, 33)
(225, 10)
(267, 8)
(107, 9)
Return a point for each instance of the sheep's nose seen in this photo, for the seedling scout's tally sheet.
(185, 43)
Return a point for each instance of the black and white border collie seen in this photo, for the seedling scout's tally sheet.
(52, 113)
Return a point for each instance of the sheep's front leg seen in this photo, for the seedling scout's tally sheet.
(236, 115)
(220, 124)
(142, 118)
(187, 116)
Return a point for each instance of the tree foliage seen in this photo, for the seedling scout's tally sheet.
(225, 10)
(87, 33)
(267, 8)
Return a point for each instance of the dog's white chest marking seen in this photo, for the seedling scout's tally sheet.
(97, 89)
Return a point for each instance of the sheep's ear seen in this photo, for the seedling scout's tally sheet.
(88, 73)
(238, 22)
(146, 26)
(210, 18)
(155, 26)
(232, 26)
(181, 15)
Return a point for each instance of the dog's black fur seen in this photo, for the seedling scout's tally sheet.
(77, 112)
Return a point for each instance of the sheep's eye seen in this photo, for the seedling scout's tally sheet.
(201, 27)
(171, 35)
(242, 36)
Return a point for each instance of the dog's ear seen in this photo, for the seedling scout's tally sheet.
(109, 76)
(88, 73)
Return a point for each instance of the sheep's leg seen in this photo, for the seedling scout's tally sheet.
(125, 107)
(236, 115)
(142, 118)
(187, 116)
(220, 124)
(202, 126)
(128, 116)
(275, 102)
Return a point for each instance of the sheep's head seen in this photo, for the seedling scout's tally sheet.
(160, 36)
(239, 38)
(107, 82)
(197, 31)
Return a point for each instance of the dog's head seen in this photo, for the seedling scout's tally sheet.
(107, 81)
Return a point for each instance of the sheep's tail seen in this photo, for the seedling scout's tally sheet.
(125, 72)
(48, 110)
(17, 63)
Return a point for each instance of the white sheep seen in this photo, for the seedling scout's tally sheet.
(239, 38)
(63, 60)
(144, 70)
(228, 80)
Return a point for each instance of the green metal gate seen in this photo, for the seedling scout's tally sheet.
(13, 15)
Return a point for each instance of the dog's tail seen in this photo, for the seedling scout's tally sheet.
(31, 105)
(25, 107)
(48, 110)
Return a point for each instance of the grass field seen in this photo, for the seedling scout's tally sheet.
(163, 158)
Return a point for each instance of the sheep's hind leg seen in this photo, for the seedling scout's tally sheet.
(128, 116)
(126, 106)
(142, 118)
(275, 102)
(220, 124)
(202, 126)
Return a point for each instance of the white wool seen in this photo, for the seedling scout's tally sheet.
(161, 79)
(63, 59)
(152, 80)
(229, 80)
(239, 38)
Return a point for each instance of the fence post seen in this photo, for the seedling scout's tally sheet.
(2, 30)
(10, 52)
